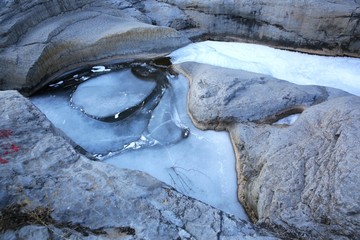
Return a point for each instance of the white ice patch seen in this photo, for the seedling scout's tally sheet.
(111, 93)
(299, 68)
(92, 135)
(201, 166)
(289, 120)
(100, 69)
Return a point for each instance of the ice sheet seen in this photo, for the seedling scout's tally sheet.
(201, 166)
(111, 93)
(289, 120)
(94, 136)
(162, 142)
(299, 68)
(198, 163)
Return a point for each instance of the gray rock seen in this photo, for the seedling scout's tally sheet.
(241, 96)
(61, 194)
(50, 38)
(330, 27)
(303, 177)
(300, 180)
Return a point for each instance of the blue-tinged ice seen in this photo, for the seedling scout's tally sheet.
(202, 165)
(111, 93)
(162, 142)
(289, 120)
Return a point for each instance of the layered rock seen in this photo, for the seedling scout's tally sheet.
(328, 27)
(40, 40)
(299, 179)
(48, 191)
(49, 38)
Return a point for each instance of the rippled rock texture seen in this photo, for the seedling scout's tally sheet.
(299, 179)
(48, 190)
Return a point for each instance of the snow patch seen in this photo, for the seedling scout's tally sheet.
(300, 68)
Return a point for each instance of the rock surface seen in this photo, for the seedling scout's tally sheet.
(241, 96)
(304, 177)
(48, 191)
(49, 38)
(300, 180)
(330, 27)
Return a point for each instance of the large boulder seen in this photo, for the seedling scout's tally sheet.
(241, 96)
(304, 177)
(48, 190)
(300, 179)
(329, 27)
(41, 40)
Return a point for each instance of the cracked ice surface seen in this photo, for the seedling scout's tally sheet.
(161, 141)
(201, 166)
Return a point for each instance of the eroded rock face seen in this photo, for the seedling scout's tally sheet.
(327, 26)
(48, 190)
(304, 177)
(299, 179)
(41, 40)
(241, 96)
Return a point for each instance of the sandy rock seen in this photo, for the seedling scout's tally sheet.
(300, 180)
(49, 190)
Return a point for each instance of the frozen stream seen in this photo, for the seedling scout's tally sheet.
(158, 138)
(137, 118)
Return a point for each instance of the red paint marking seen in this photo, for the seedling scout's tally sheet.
(10, 149)
(14, 148)
(5, 133)
(7, 148)
(3, 161)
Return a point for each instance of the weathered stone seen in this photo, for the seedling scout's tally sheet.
(330, 27)
(303, 177)
(76, 198)
(48, 38)
(241, 96)
(300, 180)
(40, 40)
